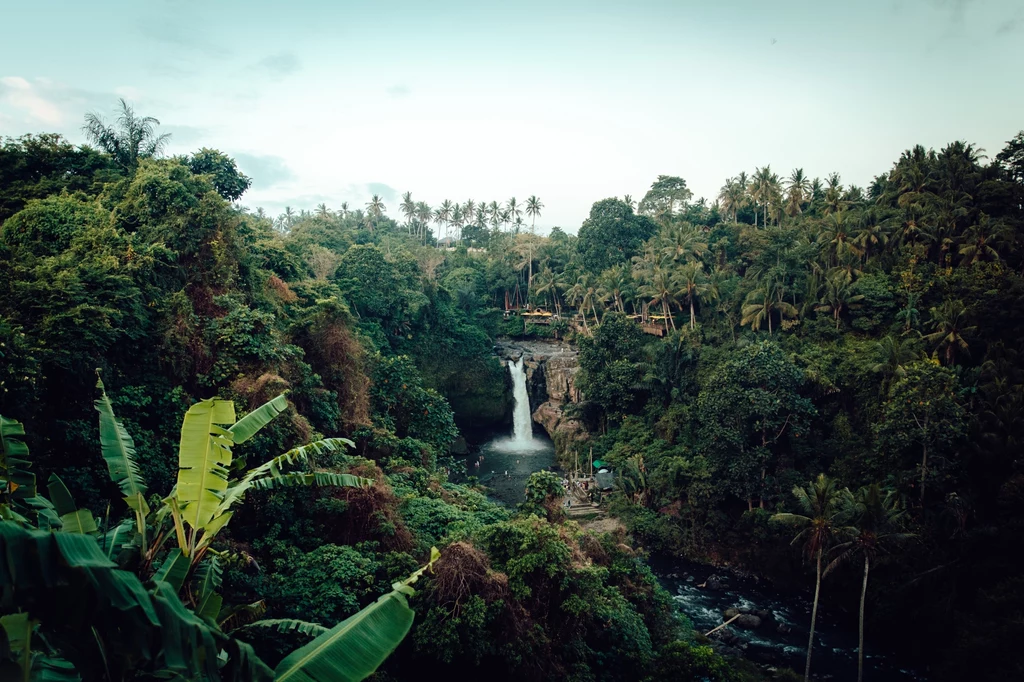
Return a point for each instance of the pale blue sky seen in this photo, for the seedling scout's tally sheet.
(572, 101)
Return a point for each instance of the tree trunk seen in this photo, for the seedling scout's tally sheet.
(860, 646)
(814, 618)
(769, 322)
(691, 312)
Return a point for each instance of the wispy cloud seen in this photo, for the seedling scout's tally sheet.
(28, 99)
(265, 170)
(280, 65)
(399, 90)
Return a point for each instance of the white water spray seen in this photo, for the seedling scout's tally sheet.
(522, 423)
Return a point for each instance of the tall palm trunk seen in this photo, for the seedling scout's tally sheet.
(691, 312)
(814, 618)
(860, 646)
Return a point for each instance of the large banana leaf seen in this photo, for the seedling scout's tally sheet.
(204, 454)
(73, 519)
(317, 478)
(84, 603)
(354, 648)
(285, 625)
(15, 479)
(118, 451)
(275, 467)
(246, 427)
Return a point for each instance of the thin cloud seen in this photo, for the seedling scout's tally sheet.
(281, 64)
(266, 171)
(399, 90)
(27, 98)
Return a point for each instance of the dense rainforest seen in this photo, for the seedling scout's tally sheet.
(256, 485)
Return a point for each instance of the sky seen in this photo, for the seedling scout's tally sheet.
(571, 101)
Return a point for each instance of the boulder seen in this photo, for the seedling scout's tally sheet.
(748, 621)
(459, 447)
(730, 613)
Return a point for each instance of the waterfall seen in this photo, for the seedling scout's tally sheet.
(522, 422)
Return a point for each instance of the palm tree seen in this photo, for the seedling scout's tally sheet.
(583, 295)
(682, 243)
(823, 510)
(733, 195)
(423, 214)
(629, 201)
(129, 139)
(549, 283)
(344, 209)
(896, 352)
(979, 240)
(443, 214)
(533, 209)
(694, 286)
(457, 220)
(469, 210)
(512, 210)
(760, 303)
(322, 211)
(495, 211)
(838, 295)
(878, 516)
(765, 189)
(661, 289)
(798, 187)
(408, 208)
(612, 284)
(833, 195)
(376, 207)
(949, 321)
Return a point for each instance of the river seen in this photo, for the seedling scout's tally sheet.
(505, 463)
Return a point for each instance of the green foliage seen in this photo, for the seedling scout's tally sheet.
(612, 234)
(750, 412)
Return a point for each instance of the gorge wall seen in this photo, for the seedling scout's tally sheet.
(551, 368)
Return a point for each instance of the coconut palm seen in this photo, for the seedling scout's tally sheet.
(629, 201)
(766, 190)
(343, 209)
(533, 209)
(322, 211)
(457, 220)
(798, 189)
(877, 518)
(376, 207)
(733, 195)
(513, 209)
(823, 511)
(833, 195)
(612, 285)
(693, 286)
(443, 214)
(423, 216)
(980, 241)
(895, 353)
(949, 321)
(682, 243)
(583, 295)
(838, 295)
(660, 289)
(495, 212)
(550, 284)
(129, 139)
(760, 303)
(408, 208)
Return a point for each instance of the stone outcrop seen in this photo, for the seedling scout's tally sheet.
(551, 369)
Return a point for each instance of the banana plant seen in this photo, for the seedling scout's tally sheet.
(118, 450)
(201, 503)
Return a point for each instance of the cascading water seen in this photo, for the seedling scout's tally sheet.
(522, 422)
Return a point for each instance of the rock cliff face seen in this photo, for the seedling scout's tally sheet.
(551, 369)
